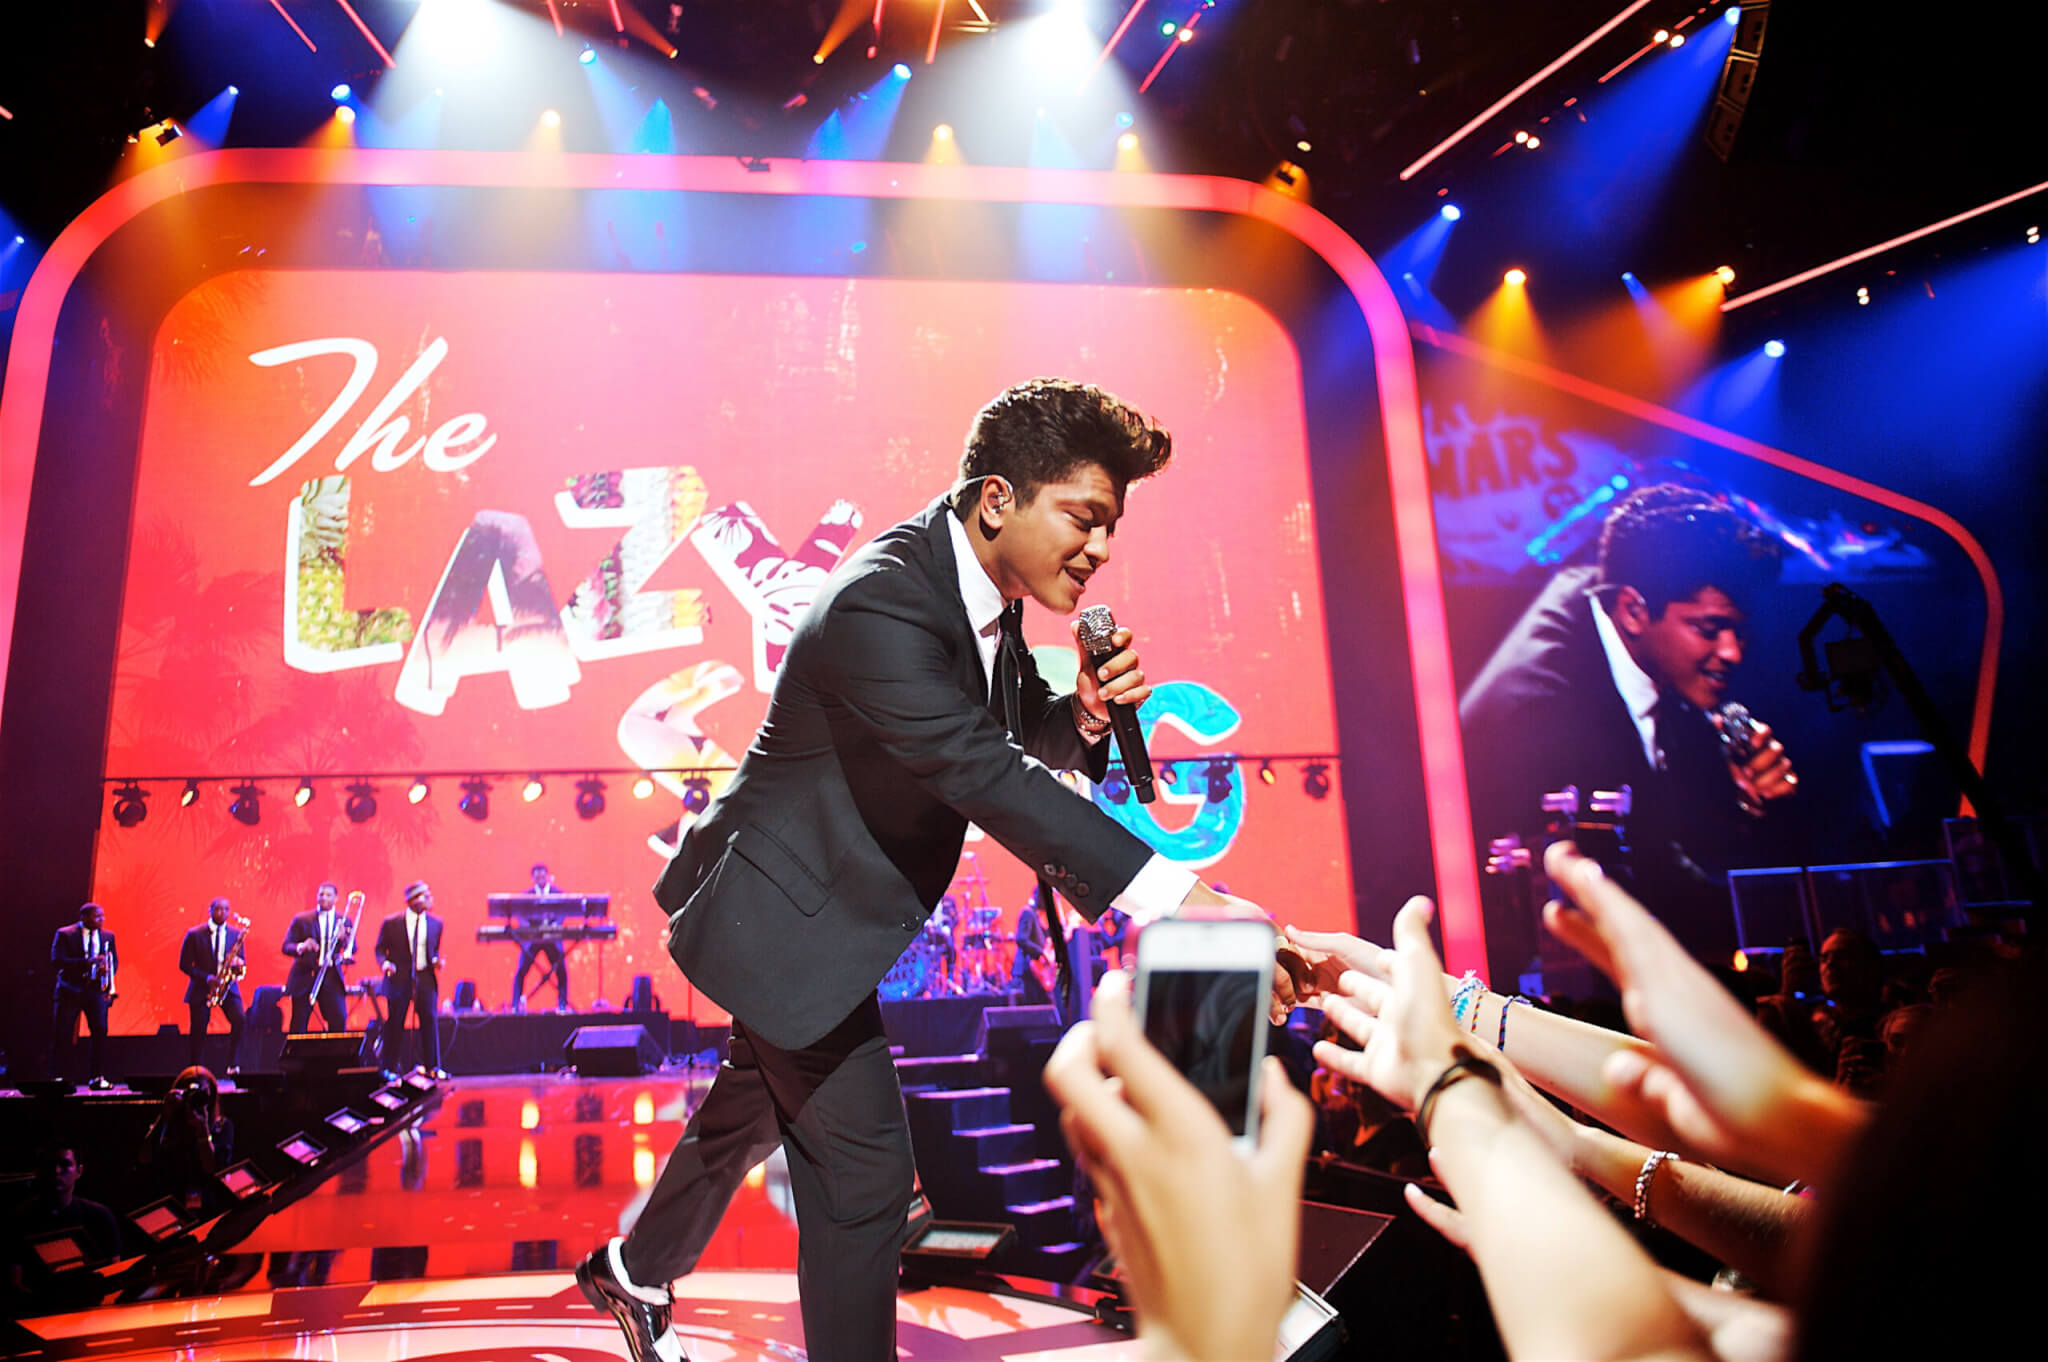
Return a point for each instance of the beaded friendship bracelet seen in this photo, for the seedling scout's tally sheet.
(1469, 990)
(1506, 1003)
(1645, 1178)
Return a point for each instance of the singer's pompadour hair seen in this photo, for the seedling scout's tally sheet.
(1040, 431)
(1671, 542)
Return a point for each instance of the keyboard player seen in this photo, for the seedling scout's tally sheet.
(529, 951)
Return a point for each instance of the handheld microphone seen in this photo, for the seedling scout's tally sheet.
(1097, 625)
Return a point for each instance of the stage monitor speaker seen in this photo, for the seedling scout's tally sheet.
(641, 997)
(611, 1051)
(266, 1013)
(465, 996)
(320, 1053)
(1018, 1022)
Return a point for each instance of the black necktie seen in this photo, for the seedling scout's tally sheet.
(1009, 676)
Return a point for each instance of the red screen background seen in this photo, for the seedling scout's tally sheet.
(784, 393)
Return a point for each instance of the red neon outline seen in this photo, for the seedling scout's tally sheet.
(1110, 46)
(357, 20)
(1994, 595)
(1429, 647)
(278, 5)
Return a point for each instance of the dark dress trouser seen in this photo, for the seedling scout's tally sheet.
(332, 1001)
(200, 1013)
(421, 996)
(837, 1110)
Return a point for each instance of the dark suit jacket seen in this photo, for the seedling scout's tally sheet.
(1544, 713)
(818, 864)
(394, 945)
(305, 968)
(67, 953)
(195, 960)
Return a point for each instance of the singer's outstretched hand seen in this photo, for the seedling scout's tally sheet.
(1120, 679)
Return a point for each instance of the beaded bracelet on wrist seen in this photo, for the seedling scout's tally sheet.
(1651, 1164)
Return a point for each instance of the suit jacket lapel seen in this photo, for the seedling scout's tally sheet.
(944, 570)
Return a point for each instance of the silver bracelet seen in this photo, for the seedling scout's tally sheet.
(1087, 722)
(1645, 1178)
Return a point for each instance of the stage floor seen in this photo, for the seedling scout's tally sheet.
(456, 1241)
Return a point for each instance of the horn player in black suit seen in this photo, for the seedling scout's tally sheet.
(804, 880)
(212, 947)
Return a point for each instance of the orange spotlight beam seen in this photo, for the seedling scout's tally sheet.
(1110, 46)
(364, 29)
(1486, 114)
(938, 18)
(1174, 45)
(1880, 248)
(278, 5)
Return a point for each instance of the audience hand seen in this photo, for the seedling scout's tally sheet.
(1404, 1022)
(1725, 1088)
(1317, 960)
(1210, 1275)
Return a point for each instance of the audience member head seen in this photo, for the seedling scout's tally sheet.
(1798, 972)
(197, 1089)
(1680, 570)
(1903, 1030)
(1851, 969)
(57, 1173)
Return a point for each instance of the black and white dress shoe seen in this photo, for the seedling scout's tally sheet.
(642, 1312)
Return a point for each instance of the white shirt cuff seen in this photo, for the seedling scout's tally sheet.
(1156, 891)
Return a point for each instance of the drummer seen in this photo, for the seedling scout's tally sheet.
(941, 930)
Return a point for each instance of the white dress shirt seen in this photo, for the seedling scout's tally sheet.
(1159, 886)
(1636, 688)
(416, 933)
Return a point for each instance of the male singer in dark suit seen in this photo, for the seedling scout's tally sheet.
(409, 945)
(320, 942)
(206, 951)
(86, 963)
(818, 864)
(1612, 677)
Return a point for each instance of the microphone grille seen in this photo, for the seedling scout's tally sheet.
(1097, 624)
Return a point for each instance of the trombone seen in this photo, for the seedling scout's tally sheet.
(330, 951)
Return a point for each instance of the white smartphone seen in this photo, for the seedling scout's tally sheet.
(1202, 995)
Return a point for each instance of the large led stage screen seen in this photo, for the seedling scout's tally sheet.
(478, 481)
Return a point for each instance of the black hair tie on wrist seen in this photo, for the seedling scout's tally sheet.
(1464, 1066)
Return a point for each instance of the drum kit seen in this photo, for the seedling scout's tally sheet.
(961, 952)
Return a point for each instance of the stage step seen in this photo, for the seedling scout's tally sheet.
(999, 1144)
(1040, 1223)
(1028, 1181)
(923, 1073)
(958, 1109)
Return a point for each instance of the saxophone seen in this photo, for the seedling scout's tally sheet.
(234, 967)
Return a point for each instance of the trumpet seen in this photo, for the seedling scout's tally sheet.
(234, 967)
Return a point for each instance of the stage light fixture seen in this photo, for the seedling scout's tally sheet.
(1678, 40)
(1863, 297)
(303, 796)
(476, 799)
(1450, 212)
(900, 71)
(588, 56)
(246, 807)
(1304, 145)
(1775, 349)
(1217, 782)
(1628, 277)
(1521, 137)
(1733, 16)
(129, 808)
(1515, 278)
(2033, 236)
(1662, 35)
(191, 795)
(1127, 142)
(1124, 120)
(168, 133)
(345, 114)
(1186, 35)
(416, 791)
(696, 794)
(589, 797)
(550, 118)
(340, 92)
(643, 787)
(1315, 780)
(943, 133)
(1725, 274)
(1266, 776)
(1533, 142)
(361, 804)
(533, 789)
(1168, 29)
